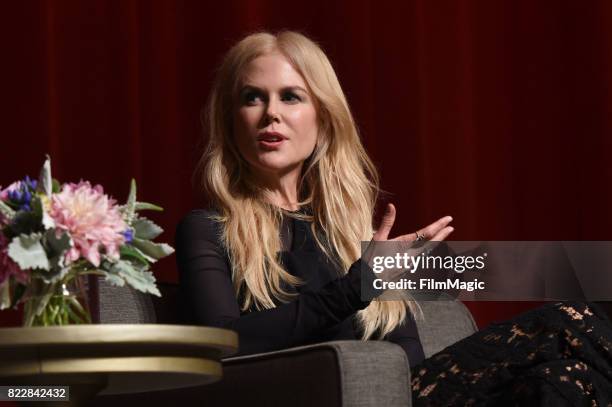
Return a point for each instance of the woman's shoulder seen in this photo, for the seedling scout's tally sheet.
(200, 214)
(200, 224)
(199, 237)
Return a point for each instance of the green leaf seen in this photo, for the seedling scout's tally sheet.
(40, 213)
(140, 280)
(149, 259)
(19, 291)
(155, 250)
(56, 186)
(47, 220)
(130, 206)
(36, 205)
(45, 183)
(141, 206)
(6, 211)
(54, 275)
(57, 247)
(146, 229)
(114, 280)
(129, 252)
(28, 252)
(145, 206)
(82, 315)
(25, 223)
(40, 302)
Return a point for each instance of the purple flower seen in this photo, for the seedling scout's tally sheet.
(15, 196)
(7, 193)
(19, 193)
(31, 183)
(129, 235)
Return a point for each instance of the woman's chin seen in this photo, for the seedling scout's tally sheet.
(277, 167)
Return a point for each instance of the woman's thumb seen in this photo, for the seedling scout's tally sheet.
(386, 223)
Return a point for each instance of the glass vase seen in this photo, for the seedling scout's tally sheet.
(64, 302)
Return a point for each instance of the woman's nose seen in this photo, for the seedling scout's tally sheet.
(272, 111)
(273, 117)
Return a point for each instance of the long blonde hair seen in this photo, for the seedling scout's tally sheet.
(339, 182)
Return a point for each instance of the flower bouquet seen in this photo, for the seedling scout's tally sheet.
(52, 236)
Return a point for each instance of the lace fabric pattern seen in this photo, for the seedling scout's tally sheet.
(556, 355)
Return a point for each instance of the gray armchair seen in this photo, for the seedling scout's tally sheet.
(338, 373)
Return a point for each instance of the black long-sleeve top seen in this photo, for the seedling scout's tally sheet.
(323, 310)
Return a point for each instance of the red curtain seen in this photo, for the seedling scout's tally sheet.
(498, 113)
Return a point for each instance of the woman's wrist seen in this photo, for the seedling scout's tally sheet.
(361, 277)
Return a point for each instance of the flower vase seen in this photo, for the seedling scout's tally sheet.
(64, 302)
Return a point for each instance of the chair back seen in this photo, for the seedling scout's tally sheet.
(124, 305)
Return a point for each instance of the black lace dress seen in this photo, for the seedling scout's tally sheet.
(556, 355)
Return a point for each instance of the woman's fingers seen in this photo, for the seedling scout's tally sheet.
(385, 224)
(437, 231)
(429, 232)
(432, 230)
(443, 234)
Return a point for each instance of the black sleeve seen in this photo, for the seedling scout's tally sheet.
(407, 336)
(206, 287)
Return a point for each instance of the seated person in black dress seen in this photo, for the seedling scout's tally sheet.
(276, 256)
(292, 190)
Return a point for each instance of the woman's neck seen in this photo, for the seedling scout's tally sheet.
(283, 200)
(281, 191)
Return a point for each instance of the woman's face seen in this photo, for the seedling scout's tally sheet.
(275, 120)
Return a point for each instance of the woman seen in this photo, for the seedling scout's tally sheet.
(276, 257)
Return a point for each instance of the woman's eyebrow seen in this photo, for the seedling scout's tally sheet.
(284, 89)
(294, 88)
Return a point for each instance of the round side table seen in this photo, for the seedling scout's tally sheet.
(113, 358)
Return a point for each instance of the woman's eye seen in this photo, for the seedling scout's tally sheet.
(291, 97)
(251, 98)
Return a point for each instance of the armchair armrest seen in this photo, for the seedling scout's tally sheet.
(338, 373)
(330, 374)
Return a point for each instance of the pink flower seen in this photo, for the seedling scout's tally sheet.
(7, 266)
(91, 218)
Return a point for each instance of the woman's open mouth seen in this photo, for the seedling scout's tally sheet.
(270, 140)
(271, 143)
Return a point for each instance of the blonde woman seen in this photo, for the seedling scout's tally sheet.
(286, 172)
(276, 256)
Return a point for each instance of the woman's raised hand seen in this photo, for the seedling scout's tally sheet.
(379, 248)
(437, 231)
